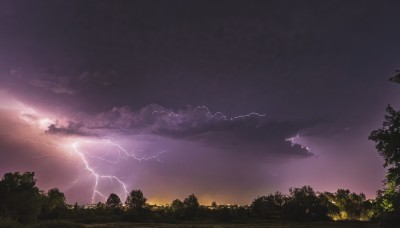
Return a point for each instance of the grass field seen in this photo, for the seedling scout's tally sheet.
(222, 225)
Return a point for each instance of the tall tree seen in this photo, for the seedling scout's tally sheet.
(177, 208)
(304, 203)
(54, 205)
(113, 201)
(135, 200)
(56, 198)
(20, 199)
(350, 204)
(268, 206)
(387, 142)
(191, 205)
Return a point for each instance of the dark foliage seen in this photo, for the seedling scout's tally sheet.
(54, 205)
(136, 201)
(301, 204)
(270, 206)
(387, 142)
(113, 201)
(304, 204)
(20, 199)
(191, 205)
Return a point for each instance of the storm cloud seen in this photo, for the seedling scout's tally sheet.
(71, 129)
(250, 133)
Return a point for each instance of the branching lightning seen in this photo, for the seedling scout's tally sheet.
(217, 115)
(122, 154)
(96, 191)
(75, 148)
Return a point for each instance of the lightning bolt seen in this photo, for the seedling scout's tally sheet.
(217, 115)
(96, 191)
(222, 116)
(122, 154)
(76, 148)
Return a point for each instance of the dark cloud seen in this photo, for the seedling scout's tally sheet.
(251, 133)
(71, 129)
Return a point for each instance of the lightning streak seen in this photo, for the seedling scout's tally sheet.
(76, 148)
(122, 154)
(97, 176)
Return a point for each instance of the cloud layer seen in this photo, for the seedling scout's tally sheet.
(251, 133)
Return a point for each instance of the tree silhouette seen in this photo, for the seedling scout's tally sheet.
(20, 199)
(55, 198)
(328, 200)
(54, 205)
(135, 200)
(113, 201)
(350, 203)
(268, 206)
(387, 142)
(191, 205)
(177, 208)
(305, 204)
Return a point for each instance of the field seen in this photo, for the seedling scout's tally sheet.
(259, 225)
(274, 224)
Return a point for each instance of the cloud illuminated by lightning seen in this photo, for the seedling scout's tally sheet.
(295, 141)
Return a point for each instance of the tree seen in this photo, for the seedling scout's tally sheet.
(135, 200)
(56, 198)
(223, 213)
(100, 209)
(303, 203)
(268, 206)
(191, 205)
(351, 205)
(177, 208)
(113, 201)
(387, 142)
(328, 199)
(20, 199)
(54, 205)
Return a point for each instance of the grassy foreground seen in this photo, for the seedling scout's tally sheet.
(211, 225)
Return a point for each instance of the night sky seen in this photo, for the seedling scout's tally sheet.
(228, 100)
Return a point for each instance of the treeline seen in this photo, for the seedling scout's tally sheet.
(22, 201)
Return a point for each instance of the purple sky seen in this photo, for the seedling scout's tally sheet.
(228, 100)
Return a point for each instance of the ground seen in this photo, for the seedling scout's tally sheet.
(226, 225)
